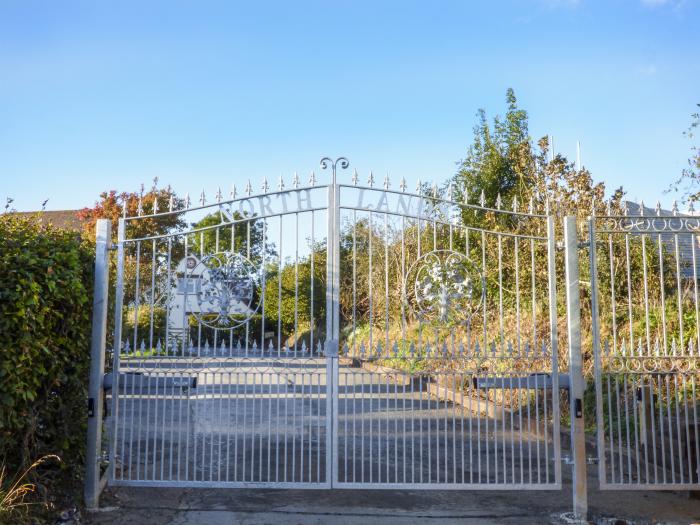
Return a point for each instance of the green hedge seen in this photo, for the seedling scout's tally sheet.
(45, 306)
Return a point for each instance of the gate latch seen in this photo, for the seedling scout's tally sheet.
(331, 348)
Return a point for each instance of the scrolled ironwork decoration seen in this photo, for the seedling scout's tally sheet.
(228, 290)
(446, 287)
(340, 161)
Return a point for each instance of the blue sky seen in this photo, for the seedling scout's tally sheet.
(100, 95)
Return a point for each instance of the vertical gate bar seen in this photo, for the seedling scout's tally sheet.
(103, 234)
(595, 331)
(554, 343)
(573, 311)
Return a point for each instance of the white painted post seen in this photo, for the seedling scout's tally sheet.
(97, 363)
(573, 317)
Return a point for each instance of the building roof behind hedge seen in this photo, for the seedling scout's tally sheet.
(65, 219)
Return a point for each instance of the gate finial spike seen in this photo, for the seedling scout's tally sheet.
(312, 178)
(641, 208)
(354, 178)
(248, 188)
(450, 189)
(435, 191)
(295, 180)
(674, 207)
(482, 199)
(234, 192)
(691, 208)
(155, 205)
(547, 208)
(395, 349)
(139, 206)
(402, 185)
(387, 184)
(657, 209)
(465, 196)
(188, 202)
(303, 346)
(419, 187)
(202, 198)
(280, 183)
(171, 203)
(531, 206)
(515, 204)
(219, 196)
(370, 180)
(265, 186)
(499, 202)
(608, 207)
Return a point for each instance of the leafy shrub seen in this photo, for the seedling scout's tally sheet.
(45, 305)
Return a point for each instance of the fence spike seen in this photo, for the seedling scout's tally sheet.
(435, 191)
(419, 187)
(639, 347)
(515, 204)
(255, 345)
(641, 208)
(395, 349)
(379, 349)
(499, 202)
(482, 199)
(362, 350)
(312, 178)
(280, 183)
(234, 192)
(402, 184)
(387, 184)
(354, 178)
(674, 207)
(155, 205)
(143, 345)
(370, 180)
(127, 347)
(248, 188)
(265, 185)
(449, 191)
(658, 208)
(608, 208)
(202, 198)
(139, 206)
(171, 202)
(691, 208)
(303, 346)
(674, 347)
(295, 180)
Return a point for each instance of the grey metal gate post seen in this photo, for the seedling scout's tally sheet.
(573, 317)
(103, 231)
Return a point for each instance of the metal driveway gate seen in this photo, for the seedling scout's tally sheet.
(336, 335)
(646, 342)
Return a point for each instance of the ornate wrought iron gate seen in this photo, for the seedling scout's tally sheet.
(336, 335)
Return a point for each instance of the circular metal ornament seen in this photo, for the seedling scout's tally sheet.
(445, 286)
(227, 290)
